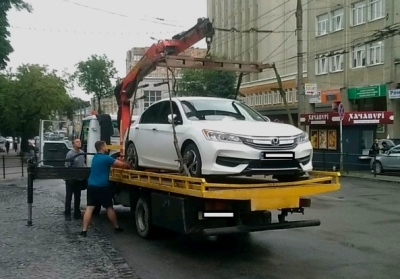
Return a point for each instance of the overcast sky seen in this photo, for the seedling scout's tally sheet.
(60, 33)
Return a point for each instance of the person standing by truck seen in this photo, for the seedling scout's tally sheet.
(74, 186)
(99, 190)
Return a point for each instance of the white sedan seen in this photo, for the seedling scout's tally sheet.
(217, 137)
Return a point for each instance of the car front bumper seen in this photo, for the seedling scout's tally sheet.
(240, 159)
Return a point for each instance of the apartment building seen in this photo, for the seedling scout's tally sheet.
(155, 87)
(278, 46)
(353, 58)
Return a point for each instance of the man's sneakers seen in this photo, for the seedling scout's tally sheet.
(118, 230)
(83, 233)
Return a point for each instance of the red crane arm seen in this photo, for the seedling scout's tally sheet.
(154, 55)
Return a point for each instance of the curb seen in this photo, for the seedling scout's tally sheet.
(379, 178)
(12, 180)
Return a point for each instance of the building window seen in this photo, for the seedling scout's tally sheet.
(359, 10)
(275, 95)
(358, 57)
(296, 95)
(376, 53)
(289, 95)
(337, 20)
(151, 97)
(336, 62)
(376, 9)
(322, 24)
(269, 98)
(321, 65)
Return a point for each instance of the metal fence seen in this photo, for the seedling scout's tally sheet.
(13, 166)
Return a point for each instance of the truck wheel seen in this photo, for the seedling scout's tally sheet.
(143, 218)
(191, 156)
(132, 156)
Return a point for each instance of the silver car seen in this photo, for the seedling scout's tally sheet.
(388, 161)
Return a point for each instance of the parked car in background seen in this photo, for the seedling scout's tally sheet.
(390, 142)
(388, 161)
(218, 137)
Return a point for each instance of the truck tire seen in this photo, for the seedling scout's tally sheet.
(143, 218)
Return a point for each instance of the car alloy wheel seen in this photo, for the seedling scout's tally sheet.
(131, 156)
(378, 167)
(192, 160)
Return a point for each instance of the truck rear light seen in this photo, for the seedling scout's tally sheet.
(217, 205)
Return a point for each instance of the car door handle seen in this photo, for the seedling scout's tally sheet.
(136, 128)
(154, 129)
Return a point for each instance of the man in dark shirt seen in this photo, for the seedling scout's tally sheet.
(99, 190)
(73, 186)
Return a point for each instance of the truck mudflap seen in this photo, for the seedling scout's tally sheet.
(258, 228)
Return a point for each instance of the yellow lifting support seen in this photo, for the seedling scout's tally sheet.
(264, 194)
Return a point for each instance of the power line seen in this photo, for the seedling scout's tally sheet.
(259, 17)
(287, 38)
(155, 20)
(39, 29)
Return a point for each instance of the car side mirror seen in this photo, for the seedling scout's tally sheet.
(173, 118)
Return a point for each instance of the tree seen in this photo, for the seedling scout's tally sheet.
(94, 76)
(72, 105)
(30, 94)
(207, 83)
(5, 45)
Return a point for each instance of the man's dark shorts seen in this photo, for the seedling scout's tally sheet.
(99, 195)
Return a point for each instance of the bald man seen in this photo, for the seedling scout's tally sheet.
(73, 186)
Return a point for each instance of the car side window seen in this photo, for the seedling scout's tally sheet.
(166, 110)
(151, 115)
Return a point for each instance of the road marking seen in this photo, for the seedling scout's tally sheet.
(330, 198)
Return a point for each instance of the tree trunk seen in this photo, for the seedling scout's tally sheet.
(99, 105)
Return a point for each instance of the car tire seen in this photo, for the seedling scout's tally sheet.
(132, 156)
(378, 167)
(143, 218)
(191, 155)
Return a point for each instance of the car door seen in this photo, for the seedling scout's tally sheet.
(393, 159)
(144, 136)
(166, 136)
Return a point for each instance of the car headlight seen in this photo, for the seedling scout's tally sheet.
(220, 136)
(303, 137)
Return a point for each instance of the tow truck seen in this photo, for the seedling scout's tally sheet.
(177, 201)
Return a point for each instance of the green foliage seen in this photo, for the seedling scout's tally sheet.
(5, 45)
(207, 83)
(94, 76)
(27, 95)
(72, 105)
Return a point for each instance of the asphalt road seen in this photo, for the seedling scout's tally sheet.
(359, 238)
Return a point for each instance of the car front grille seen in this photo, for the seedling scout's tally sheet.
(285, 143)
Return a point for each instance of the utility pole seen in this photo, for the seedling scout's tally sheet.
(300, 89)
(283, 94)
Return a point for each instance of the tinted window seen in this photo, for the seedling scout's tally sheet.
(220, 109)
(166, 110)
(151, 115)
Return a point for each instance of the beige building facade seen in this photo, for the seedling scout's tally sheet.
(353, 52)
(278, 46)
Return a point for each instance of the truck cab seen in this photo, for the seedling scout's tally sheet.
(91, 131)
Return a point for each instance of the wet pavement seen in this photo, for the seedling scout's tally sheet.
(51, 248)
(359, 237)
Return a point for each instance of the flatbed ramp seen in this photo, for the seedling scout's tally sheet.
(264, 194)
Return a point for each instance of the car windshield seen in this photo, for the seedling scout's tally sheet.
(220, 110)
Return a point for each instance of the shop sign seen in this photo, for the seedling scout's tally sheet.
(310, 89)
(394, 94)
(367, 92)
(350, 118)
(315, 99)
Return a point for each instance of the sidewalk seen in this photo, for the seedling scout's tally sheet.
(51, 248)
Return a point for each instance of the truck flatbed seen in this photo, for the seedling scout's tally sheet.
(264, 194)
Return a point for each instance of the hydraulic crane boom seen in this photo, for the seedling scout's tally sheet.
(154, 55)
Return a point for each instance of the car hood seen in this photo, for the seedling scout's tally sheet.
(249, 128)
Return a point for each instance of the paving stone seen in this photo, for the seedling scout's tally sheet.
(51, 248)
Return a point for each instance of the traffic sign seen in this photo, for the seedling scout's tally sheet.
(341, 111)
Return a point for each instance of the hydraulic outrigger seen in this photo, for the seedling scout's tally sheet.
(190, 197)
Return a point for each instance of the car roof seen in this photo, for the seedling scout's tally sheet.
(197, 99)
